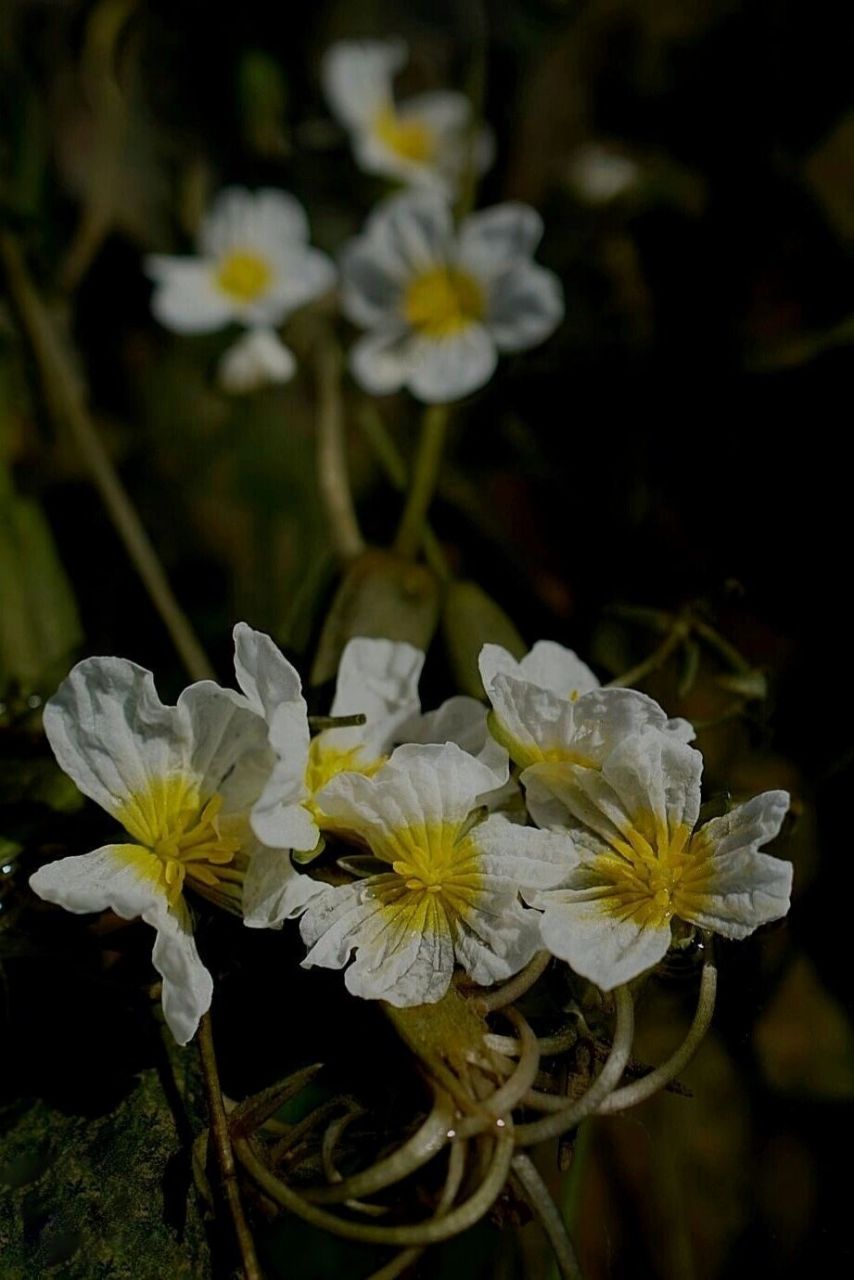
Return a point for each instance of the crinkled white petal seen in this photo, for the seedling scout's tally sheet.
(494, 239)
(529, 720)
(419, 785)
(357, 78)
(445, 369)
(186, 298)
(378, 678)
(493, 945)
(548, 665)
(111, 733)
(187, 985)
(597, 945)
(121, 878)
(523, 859)
(228, 752)
(242, 220)
(525, 307)
(274, 891)
(462, 720)
(256, 360)
(380, 362)
(742, 888)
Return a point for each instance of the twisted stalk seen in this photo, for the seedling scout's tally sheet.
(639, 1090)
(516, 987)
(453, 1180)
(536, 1195)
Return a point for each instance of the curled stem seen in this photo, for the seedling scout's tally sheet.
(224, 1151)
(548, 1046)
(424, 1144)
(516, 987)
(453, 1179)
(639, 1090)
(425, 474)
(422, 1233)
(332, 476)
(502, 1101)
(65, 400)
(678, 633)
(604, 1084)
(537, 1196)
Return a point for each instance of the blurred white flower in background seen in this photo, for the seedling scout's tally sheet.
(427, 140)
(440, 302)
(255, 267)
(599, 174)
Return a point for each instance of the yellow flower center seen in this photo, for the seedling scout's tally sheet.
(170, 821)
(244, 276)
(437, 875)
(410, 139)
(325, 762)
(442, 301)
(652, 874)
(524, 754)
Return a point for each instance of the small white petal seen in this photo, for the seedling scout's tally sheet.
(523, 857)
(411, 232)
(357, 77)
(228, 752)
(186, 298)
(442, 110)
(525, 307)
(548, 665)
(378, 678)
(121, 878)
(274, 891)
(494, 239)
(380, 362)
(492, 946)
(187, 985)
(446, 369)
(254, 361)
(243, 220)
(299, 276)
(264, 673)
(462, 720)
(599, 946)
(371, 287)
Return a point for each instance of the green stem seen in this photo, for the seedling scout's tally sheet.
(434, 429)
(332, 475)
(536, 1194)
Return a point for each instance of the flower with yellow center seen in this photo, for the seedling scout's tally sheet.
(450, 895)
(638, 863)
(439, 302)
(181, 781)
(427, 140)
(254, 267)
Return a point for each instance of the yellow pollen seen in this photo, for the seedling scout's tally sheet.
(437, 875)
(651, 872)
(170, 821)
(410, 139)
(442, 301)
(325, 762)
(244, 276)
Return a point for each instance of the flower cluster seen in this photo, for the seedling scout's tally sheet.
(439, 299)
(229, 797)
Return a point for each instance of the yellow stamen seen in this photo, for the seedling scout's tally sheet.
(442, 301)
(410, 139)
(649, 873)
(170, 820)
(437, 875)
(244, 276)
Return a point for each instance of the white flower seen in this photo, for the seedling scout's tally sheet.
(258, 358)
(638, 862)
(450, 894)
(181, 781)
(440, 303)
(462, 720)
(377, 678)
(425, 141)
(255, 266)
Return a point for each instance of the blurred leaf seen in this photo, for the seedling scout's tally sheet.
(262, 102)
(804, 1039)
(471, 619)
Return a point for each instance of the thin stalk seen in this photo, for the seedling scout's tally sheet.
(678, 634)
(453, 1180)
(537, 1196)
(65, 400)
(317, 724)
(333, 479)
(425, 474)
(604, 1084)
(516, 987)
(224, 1152)
(549, 1046)
(639, 1090)
(432, 1231)
(503, 1099)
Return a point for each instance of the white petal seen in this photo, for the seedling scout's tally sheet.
(187, 985)
(279, 818)
(186, 298)
(419, 785)
(523, 857)
(548, 665)
(256, 360)
(525, 307)
(274, 891)
(357, 77)
(462, 720)
(493, 239)
(492, 947)
(530, 721)
(379, 678)
(442, 110)
(121, 878)
(738, 888)
(243, 220)
(264, 673)
(380, 362)
(445, 369)
(300, 274)
(228, 750)
(598, 946)
(111, 733)
(371, 285)
(411, 232)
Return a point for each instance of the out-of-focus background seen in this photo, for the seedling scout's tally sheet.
(680, 442)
